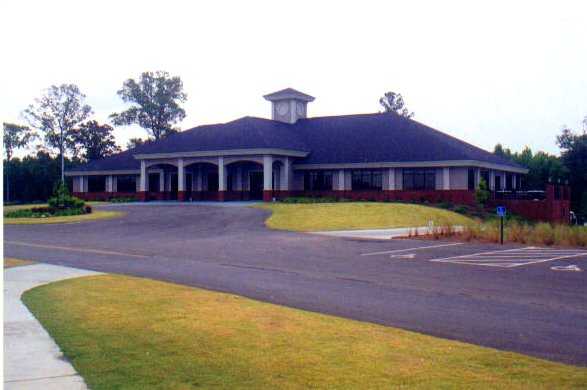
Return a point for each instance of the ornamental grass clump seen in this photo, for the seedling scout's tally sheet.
(542, 234)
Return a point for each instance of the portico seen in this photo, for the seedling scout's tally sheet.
(226, 176)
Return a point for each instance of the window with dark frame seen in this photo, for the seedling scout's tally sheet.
(419, 179)
(471, 179)
(318, 181)
(126, 183)
(367, 180)
(96, 183)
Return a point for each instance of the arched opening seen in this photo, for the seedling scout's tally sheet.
(162, 182)
(201, 181)
(244, 181)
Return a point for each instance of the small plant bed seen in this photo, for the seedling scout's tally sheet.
(59, 209)
(47, 212)
(122, 332)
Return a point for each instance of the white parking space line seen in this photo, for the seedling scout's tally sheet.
(510, 258)
(410, 249)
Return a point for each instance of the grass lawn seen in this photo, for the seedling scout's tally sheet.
(95, 215)
(356, 215)
(131, 333)
(10, 262)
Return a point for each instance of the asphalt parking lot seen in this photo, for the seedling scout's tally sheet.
(519, 298)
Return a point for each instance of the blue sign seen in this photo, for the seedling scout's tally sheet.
(501, 211)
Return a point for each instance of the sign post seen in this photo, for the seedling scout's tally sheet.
(501, 214)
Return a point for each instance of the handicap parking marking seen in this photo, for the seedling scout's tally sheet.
(510, 258)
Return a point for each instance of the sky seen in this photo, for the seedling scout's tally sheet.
(485, 72)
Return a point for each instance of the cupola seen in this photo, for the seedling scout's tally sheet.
(288, 105)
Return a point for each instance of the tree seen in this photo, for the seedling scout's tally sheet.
(15, 137)
(95, 140)
(135, 142)
(482, 193)
(574, 157)
(394, 102)
(542, 167)
(57, 114)
(155, 98)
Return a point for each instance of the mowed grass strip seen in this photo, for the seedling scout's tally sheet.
(10, 262)
(94, 216)
(357, 215)
(131, 333)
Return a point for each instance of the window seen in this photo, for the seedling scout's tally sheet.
(419, 179)
(154, 182)
(471, 179)
(367, 180)
(508, 182)
(96, 183)
(318, 181)
(126, 183)
(213, 181)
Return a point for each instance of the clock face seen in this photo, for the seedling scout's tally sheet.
(300, 109)
(282, 108)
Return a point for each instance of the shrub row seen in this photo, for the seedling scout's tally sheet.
(45, 212)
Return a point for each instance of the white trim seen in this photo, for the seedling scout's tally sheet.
(218, 153)
(97, 173)
(414, 164)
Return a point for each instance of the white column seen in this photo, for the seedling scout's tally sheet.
(162, 181)
(514, 181)
(446, 178)
(392, 179)
(221, 174)
(477, 177)
(239, 179)
(109, 184)
(199, 181)
(340, 180)
(491, 180)
(286, 175)
(114, 184)
(143, 179)
(180, 175)
(267, 173)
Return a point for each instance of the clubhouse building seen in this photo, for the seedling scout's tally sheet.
(378, 156)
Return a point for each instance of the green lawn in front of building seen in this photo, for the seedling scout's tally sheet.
(357, 215)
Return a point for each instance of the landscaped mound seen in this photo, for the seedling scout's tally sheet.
(60, 205)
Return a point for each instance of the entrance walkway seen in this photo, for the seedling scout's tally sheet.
(32, 360)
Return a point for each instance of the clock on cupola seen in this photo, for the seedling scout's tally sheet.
(288, 105)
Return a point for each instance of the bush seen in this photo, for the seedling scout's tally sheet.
(45, 212)
(482, 193)
(62, 199)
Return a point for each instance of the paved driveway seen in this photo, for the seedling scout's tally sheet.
(432, 287)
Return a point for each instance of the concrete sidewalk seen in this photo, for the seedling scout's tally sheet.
(382, 234)
(32, 360)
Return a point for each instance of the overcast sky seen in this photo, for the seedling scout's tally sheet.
(509, 72)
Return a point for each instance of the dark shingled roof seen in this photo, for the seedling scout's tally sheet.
(365, 138)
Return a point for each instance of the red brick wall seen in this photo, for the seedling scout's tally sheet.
(551, 209)
(452, 196)
(105, 196)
